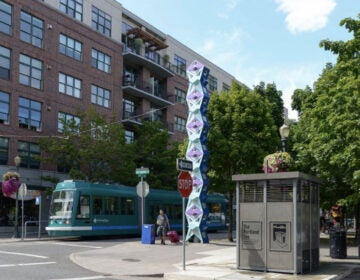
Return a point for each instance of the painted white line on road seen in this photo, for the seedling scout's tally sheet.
(40, 263)
(22, 254)
(25, 264)
(83, 278)
(76, 245)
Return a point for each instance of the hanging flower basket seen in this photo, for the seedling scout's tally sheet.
(277, 162)
(11, 183)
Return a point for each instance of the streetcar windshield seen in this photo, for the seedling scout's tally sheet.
(61, 205)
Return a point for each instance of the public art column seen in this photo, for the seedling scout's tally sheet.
(197, 127)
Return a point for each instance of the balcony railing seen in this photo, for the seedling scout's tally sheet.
(149, 88)
(149, 55)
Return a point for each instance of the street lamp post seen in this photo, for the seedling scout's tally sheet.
(284, 133)
(17, 161)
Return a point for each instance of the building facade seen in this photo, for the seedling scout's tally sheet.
(61, 56)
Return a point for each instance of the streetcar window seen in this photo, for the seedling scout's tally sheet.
(98, 206)
(61, 205)
(83, 210)
(111, 205)
(127, 206)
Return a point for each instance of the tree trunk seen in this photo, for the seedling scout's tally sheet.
(230, 210)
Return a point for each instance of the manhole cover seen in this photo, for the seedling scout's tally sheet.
(131, 260)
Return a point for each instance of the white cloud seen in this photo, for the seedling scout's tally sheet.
(306, 15)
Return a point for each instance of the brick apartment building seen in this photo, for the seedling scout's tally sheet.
(61, 56)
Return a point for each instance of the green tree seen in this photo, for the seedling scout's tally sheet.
(155, 151)
(242, 132)
(93, 149)
(270, 92)
(328, 133)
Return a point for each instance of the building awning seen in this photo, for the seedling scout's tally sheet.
(152, 41)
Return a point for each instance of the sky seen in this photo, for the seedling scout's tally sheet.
(274, 41)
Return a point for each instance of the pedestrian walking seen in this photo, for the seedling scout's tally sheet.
(163, 225)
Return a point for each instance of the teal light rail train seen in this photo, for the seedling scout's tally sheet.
(80, 208)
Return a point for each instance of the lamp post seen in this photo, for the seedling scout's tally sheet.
(284, 133)
(17, 161)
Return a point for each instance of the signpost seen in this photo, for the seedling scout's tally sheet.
(142, 172)
(185, 185)
(22, 193)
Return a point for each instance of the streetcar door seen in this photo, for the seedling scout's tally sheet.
(82, 217)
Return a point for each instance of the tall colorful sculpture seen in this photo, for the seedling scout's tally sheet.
(197, 127)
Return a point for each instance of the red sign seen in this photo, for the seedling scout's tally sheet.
(185, 183)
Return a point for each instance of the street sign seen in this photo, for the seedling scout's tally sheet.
(22, 191)
(142, 171)
(139, 189)
(185, 183)
(184, 165)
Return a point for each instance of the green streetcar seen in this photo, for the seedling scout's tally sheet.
(80, 208)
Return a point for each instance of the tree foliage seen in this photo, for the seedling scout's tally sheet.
(95, 149)
(328, 132)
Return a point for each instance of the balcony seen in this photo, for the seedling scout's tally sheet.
(158, 65)
(142, 89)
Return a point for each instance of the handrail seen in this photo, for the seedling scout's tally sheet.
(23, 235)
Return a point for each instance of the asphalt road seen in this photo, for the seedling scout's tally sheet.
(47, 260)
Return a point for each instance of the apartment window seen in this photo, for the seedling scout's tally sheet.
(180, 96)
(128, 108)
(156, 114)
(4, 107)
(70, 47)
(226, 87)
(73, 8)
(212, 83)
(100, 96)
(180, 124)
(30, 71)
(29, 114)
(30, 154)
(5, 58)
(101, 21)
(100, 61)
(129, 136)
(31, 29)
(69, 85)
(4, 150)
(70, 121)
(5, 17)
(180, 65)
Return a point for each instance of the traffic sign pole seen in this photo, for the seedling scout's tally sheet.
(142, 200)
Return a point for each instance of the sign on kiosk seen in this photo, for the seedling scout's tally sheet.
(185, 183)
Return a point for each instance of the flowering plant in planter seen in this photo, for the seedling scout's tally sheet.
(11, 183)
(277, 162)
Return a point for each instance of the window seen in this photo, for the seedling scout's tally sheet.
(111, 205)
(4, 107)
(129, 136)
(180, 65)
(70, 47)
(73, 8)
(128, 108)
(101, 21)
(5, 59)
(5, 17)
(180, 124)
(83, 211)
(4, 150)
(100, 61)
(30, 154)
(29, 114)
(127, 206)
(226, 87)
(69, 85)
(70, 122)
(156, 114)
(212, 83)
(30, 71)
(180, 96)
(31, 29)
(100, 96)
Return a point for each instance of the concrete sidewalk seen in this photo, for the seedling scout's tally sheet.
(216, 260)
